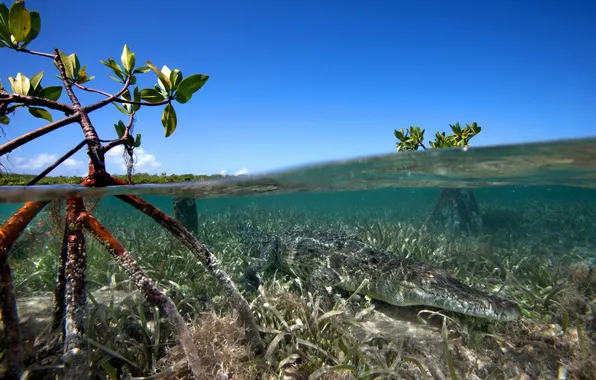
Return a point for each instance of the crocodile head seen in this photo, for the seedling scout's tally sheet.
(435, 287)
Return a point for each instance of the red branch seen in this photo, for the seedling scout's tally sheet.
(152, 294)
(205, 256)
(17, 223)
(9, 233)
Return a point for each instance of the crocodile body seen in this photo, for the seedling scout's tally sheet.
(333, 260)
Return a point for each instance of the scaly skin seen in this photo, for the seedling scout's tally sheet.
(334, 260)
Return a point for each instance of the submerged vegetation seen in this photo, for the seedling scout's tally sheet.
(519, 257)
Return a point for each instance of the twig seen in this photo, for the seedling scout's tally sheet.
(47, 55)
(152, 294)
(30, 136)
(113, 98)
(120, 100)
(88, 89)
(55, 164)
(7, 98)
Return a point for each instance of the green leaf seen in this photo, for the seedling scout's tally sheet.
(4, 120)
(151, 95)
(116, 79)
(128, 59)
(121, 109)
(141, 70)
(136, 96)
(20, 85)
(189, 86)
(69, 64)
(35, 28)
(163, 80)
(169, 120)
(115, 68)
(130, 141)
(175, 78)
(50, 92)
(4, 30)
(120, 128)
(137, 141)
(126, 96)
(35, 80)
(19, 21)
(456, 128)
(40, 113)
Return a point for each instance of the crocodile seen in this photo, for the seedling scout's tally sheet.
(324, 259)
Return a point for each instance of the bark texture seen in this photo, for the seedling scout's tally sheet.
(76, 354)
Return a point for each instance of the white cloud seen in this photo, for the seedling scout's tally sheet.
(242, 171)
(40, 161)
(223, 172)
(71, 163)
(43, 160)
(144, 162)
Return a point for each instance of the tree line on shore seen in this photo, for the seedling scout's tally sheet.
(15, 179)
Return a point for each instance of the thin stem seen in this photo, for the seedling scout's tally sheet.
(30, 136)
(47, 55)
(152, 294)
(120, 100)
(205, 256)
(88, 89)
(58, 162)
(113, 98)
(165, 101)
(7, 98)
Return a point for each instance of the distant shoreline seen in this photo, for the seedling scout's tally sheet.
(13, 179)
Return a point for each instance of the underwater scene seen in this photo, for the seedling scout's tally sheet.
(453, 264)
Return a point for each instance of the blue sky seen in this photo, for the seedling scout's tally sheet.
(301, 81)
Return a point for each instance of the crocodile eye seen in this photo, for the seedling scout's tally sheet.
(430, 273)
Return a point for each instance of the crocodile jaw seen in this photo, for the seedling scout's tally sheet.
(438, 289)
